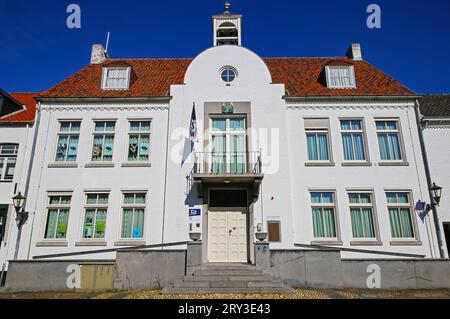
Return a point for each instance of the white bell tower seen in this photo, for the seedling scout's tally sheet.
(227, 28)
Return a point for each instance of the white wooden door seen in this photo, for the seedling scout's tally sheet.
(227, 237)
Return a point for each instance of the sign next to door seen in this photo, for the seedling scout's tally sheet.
(195, 212)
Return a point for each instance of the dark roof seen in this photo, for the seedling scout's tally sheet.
(21, 107)
(435, 105)
(302, 77)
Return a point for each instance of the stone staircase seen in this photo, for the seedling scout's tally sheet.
(227, 279)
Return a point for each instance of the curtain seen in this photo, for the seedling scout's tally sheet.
(406, 224)
(51, 224)
(100, 223)
(108, 150)
(357, 225)
(238, 154)
(133, 148)
(312, 147)
(328, 216)
(318, 223)
(358, 146)
(89, 223)
(362, 223)
(323, 147)
(62, 148)
(126, 223)
(144, 147)
(237, 124)
(218, 154)
(395, 223)
(348, 147)
(389, 147)
(219, 125)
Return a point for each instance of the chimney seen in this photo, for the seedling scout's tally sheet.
(98, 55)
(354, 52)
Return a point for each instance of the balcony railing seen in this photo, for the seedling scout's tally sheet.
(237, 163)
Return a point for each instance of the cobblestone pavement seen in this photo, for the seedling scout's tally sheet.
(297, 294)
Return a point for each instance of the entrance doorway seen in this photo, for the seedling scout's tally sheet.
(228, 220)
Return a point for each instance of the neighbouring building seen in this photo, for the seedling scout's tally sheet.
(312, 151)
(17, 114)
(435, 109)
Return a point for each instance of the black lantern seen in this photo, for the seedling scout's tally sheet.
(18, 201)
(436, 193)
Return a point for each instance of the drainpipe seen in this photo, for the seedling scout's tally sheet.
(426, 163)
(165, 179)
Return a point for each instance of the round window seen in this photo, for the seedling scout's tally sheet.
(228, 74)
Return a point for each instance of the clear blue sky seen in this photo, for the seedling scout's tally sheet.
(37, 50)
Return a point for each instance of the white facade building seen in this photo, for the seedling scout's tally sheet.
(314, 151)
(17, 113)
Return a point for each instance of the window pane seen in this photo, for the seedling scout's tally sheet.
(103, 199)
(65, 127)
(100, 223)
(319, 231)
(97, 151)
(62, 224)
(322, 142)
(138, 225)
(145, 126)
(144, 147)
(406, 223)
(133, 148)
(127, 220)
(1, 167)
(89, 218)
(10, 168)
(219, 125)
(312, 147)
(128, 199)
(140, 199)
(51, 224)
(237, 124)
(91, 199)
(108, 149)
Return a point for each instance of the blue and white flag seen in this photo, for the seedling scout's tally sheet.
(193, 127)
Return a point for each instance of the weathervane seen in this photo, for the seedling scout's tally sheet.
(227, 7)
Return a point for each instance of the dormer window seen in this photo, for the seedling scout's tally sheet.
(340, 77)
(115, 78)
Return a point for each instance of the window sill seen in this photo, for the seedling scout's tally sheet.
(130, 243)
(356, 164)
(406, 243)
(366, 243)
(393, 164)
(137, 164)
(327, 243)
(63, 165)
(52, 244)
(99, 165)
(91, 243)
(318, 164)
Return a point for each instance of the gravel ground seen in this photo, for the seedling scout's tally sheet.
(297, 294)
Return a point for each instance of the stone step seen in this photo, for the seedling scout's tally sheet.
(227, 284)
(178, 291)
(228, 278)
(227, 267)
(227, 272)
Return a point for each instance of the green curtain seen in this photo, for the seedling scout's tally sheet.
(401, 223)
(324, 223)
(218, 154)
(126, 223)
(362, 223)
(238, 154)
(318, 223)
(138, 223)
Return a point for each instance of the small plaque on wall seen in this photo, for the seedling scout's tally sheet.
(227, 108)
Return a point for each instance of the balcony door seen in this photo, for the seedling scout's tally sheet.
(228, 145)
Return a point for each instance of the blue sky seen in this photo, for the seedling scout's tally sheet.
(37, 50)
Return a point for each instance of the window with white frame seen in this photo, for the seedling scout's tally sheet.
(68, 139)
(96, 209)
(103, 145)
(324, 215)
(58, 207)
(317, 138)
(400, 215)
(353, 140)
(389, 141)
(8, 160)
(362, 215)
(340, 77)
(133, 211)
(116, 78)
(228, 145)
(139, 141)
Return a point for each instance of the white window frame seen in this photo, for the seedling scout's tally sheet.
(412, 216)
(105, 75)
(228, 133)
(97, 207)
(104, 134)
(351, 73)
(398, 131)
(6, 158)
(133, 207)
(58, 207)
(140, 132)
(334, 206)
(361, 206)
(364, 137)
(70, 134)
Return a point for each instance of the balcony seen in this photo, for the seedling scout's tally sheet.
(228, 169)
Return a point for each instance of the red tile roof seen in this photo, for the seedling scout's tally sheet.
(302, 77)
(28, 114)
